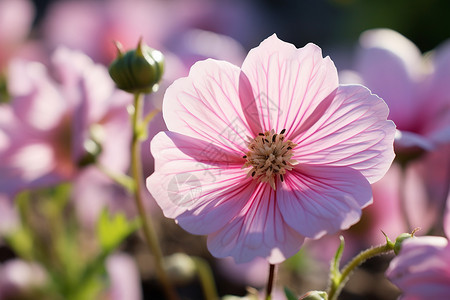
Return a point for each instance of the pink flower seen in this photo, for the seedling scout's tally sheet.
(414, 87)
(422, 268)
(125, 282)
(55, 124)
(19, 279)
(326, 144)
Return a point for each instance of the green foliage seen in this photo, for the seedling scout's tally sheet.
(50, 236)
(112, 230)
(289, 294)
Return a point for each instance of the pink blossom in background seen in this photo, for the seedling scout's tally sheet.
(414, 87)
(55, 117)
(332, 141)
(92, 26)
(19, 278)
(124, 280)
(422, 268)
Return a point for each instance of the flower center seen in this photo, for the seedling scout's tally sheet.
(269, 155)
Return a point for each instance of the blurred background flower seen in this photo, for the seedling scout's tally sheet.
(189, 30)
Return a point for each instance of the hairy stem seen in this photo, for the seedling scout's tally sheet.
(338, 283)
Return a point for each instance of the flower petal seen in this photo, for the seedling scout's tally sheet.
(421, 270)
(352, 131)
(315, 200)
(288, 83)
(390, 64)
(207, 105)
(197, 183)
(258, 229)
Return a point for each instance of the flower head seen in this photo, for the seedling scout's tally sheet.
(262, 156)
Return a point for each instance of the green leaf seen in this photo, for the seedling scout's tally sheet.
(112, 230)
(21, 241)
(289, 294)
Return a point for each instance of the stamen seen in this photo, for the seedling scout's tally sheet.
(269, 157)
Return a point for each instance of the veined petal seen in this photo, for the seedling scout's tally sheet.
(197, 183)
(258, 229)
(315, 200)
(288, 83)
(352, 131)
(207, 105)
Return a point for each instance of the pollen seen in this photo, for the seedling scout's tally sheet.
(269, 156)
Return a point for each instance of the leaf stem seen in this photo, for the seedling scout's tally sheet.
(339, 280)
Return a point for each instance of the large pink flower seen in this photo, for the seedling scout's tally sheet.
(262, 156)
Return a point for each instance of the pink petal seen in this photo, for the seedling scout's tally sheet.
(258, 230)
(315, 200)
(352, 131)
(198, 183)
(16, 17)
(422, 269)
(206, 105)
(124, 276)
(288, 83)
(405, 140)
(390, 66)
(37, 101)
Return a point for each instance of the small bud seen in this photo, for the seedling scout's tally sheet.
(314, 295)
(139, 70)
(399, 240)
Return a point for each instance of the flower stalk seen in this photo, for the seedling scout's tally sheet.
(147, 226)
(339, 279)
(270, 282)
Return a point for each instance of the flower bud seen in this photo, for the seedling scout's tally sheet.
(314, 295)
(399, 240)
(139, 70)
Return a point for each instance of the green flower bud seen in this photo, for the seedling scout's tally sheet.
(399, 240)
(315, 295)
(139, 70)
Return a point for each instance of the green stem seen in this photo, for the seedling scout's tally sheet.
(338, 283)
(270, 282)
(147, 226)
(206, 278)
